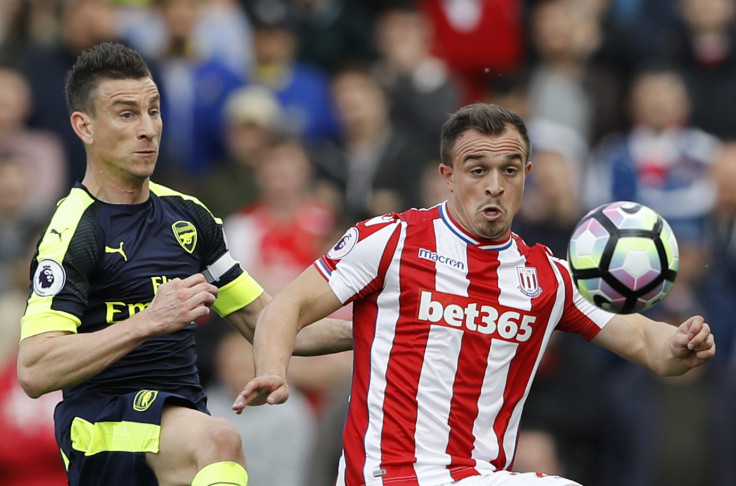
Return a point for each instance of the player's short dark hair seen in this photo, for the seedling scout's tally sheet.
(486, 118)
(108, 60)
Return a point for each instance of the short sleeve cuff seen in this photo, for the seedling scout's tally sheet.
(32, 325)
(237, 294)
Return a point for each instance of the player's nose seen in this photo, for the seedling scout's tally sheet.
(493, 184)
(147, 127)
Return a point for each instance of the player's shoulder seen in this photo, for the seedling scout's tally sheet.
(176, 198)
(161, 191)
(534, 249)
(539, 254)
(409, 217)
(76, 201)
(70, 214)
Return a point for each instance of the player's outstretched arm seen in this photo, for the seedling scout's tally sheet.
(55, 360)
(661, 347)
(325, 336)
(307, 300)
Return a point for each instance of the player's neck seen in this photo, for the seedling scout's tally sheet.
(116, 191)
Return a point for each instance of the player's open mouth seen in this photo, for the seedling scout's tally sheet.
(491, 213)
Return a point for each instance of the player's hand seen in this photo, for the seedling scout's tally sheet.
(270, 389)
(693, 343)
(179, 302)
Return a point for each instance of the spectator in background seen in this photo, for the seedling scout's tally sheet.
(332, 31)
(478, 39)
(41, 150)
(420, 88)
(705, 52)
(637, 32)
(661, 162)
(253, 118)
(25, 25)
(20, 225)
(537, 450)
(302, 89)
(375, 165)
(84, 23)
(263, 236)
(194, 89)
(325, 456)
(221, 31)
(566, 86)
(433, 189)
(718, 284)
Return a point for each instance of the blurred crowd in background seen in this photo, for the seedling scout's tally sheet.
(291, 119)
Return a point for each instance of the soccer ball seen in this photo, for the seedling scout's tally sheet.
(623, 257)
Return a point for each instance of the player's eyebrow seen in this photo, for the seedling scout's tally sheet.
(134, 104)
(509, 157)
(131, 103)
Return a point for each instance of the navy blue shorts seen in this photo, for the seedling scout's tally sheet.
(104, 440)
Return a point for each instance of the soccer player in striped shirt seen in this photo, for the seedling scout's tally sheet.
(452, 313)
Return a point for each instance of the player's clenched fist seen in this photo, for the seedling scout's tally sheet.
(693, 342)
(179, 302)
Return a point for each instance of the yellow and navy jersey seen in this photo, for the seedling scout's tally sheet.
(97, 264)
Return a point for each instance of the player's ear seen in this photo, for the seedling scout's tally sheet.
(447, 172)
(527, 168)
(82, 126)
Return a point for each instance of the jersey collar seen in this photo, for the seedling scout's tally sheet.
(460, 232)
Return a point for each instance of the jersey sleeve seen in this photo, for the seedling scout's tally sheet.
(237, 287)
(60, 269)
(356, 264)
(579, 316)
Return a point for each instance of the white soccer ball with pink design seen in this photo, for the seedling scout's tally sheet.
(623, 257)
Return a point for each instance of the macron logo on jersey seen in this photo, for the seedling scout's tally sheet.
(460, 312)
(436, 257)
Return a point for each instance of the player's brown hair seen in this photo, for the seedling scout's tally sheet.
(486, 118)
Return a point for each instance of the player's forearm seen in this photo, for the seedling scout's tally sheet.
(325, 336)
(642, 341)
(53, 361)
(274, 340)
(313, 300)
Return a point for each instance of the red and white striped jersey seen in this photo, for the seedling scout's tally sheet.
(448, 333)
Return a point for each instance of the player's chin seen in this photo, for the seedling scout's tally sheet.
(493, 230)
(144, 171)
